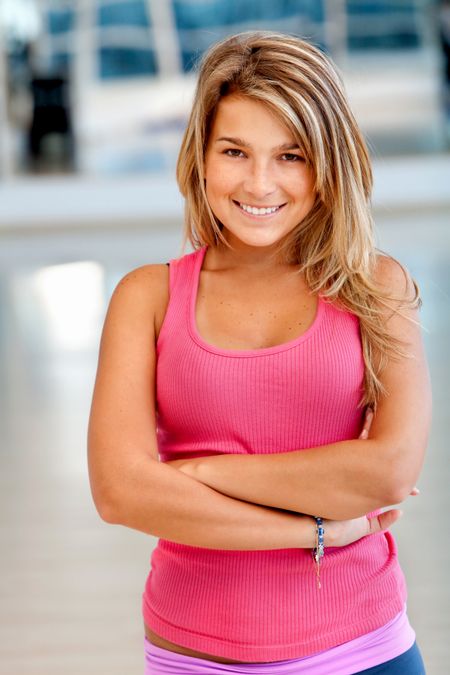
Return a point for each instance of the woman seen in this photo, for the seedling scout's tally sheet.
(248, 367)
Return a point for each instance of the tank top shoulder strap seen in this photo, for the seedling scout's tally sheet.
(183, 281)
(182, 272)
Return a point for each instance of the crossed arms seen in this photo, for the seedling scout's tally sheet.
(235, 501)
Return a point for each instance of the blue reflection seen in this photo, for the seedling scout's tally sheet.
(117, 62)
(131, 13)
(202, 23)
(60, 21)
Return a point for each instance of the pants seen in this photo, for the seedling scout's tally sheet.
(160, 661)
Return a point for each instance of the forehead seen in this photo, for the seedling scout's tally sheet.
(250, 120)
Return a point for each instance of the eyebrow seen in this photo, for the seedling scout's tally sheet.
(241, 142)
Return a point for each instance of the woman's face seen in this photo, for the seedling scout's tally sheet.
(257, 182)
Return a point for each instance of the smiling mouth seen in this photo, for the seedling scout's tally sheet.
(258, 210)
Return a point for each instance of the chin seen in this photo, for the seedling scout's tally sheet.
(261, 239)
(252, 243)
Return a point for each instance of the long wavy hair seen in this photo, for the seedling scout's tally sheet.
(334, 244)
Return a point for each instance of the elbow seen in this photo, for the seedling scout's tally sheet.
(401, 475)
(107, 512)
(387, 493)
(105, 505)
(104, 491)
(397, 494)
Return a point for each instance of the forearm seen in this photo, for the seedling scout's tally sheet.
(160, 500)
(337, 481)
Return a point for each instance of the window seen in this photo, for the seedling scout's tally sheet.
(60, 21)
(382, 24)
(118, 62)
(125, 48)
(202, 22)
(131, 13)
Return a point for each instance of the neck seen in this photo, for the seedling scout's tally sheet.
(249, 258)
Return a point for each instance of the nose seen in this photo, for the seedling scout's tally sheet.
(259, 180)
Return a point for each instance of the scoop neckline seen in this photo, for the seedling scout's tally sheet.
(242, 353)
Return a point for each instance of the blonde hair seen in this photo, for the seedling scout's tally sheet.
(333, 245)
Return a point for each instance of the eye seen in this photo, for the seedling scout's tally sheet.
(291, 157)
(233, 152)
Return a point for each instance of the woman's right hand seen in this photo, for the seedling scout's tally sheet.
(343, 532)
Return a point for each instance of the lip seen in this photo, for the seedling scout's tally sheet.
(257, 216)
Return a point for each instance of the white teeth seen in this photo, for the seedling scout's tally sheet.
(258, 212)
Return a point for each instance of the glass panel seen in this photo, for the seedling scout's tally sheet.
(131, 13)
(379, 24)
(119, 54)
(377, 7)
(60, 21)
(205, 13)
(202, 22)
(118, 62)
(60, 62)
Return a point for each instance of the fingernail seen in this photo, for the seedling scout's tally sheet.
(364, 434)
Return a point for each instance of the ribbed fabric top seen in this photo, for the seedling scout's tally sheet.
(262, 605)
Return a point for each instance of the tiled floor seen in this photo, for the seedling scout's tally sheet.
(70, 585)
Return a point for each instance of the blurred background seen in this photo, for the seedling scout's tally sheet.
(94, 96)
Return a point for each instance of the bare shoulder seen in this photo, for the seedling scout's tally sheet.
(399, 299)
(394, 278)
(143, 291)
(146, 282)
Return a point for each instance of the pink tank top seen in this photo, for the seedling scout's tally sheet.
(262, 605)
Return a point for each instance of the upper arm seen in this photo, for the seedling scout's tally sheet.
(122, 423)
(403, 414)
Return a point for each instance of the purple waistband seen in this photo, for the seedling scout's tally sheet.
(364, 652)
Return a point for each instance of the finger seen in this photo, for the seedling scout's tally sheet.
(415, 491)
(384, 520)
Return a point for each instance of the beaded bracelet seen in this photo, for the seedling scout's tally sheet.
(319, 550)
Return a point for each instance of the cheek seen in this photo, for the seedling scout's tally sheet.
(303, 189)
(219, 180)
(310, 181)
(211, 186)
